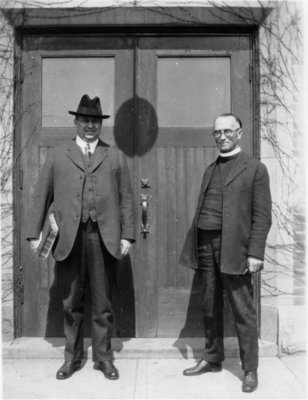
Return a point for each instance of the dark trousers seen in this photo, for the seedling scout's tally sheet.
(91, 264)
(239, 291)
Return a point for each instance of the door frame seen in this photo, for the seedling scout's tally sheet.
(136, 30)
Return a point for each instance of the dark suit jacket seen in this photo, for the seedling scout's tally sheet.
(246, 218)
(61, 183)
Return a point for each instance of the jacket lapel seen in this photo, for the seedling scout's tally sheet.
(100, 153)
(208, 176)
(238, 167)
(74, 153)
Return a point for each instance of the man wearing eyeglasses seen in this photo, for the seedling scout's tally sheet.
(226, 245)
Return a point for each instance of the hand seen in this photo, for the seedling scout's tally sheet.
(34, 243)
(53, 222)
(125, 246)
(254, 264)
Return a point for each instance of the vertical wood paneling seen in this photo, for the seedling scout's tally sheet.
(30, 164)
(199, 168)
(162, 216)
(190, 185)
(147, 255)
(190, 195)
(180, 214)
(146, 249)
(31, 274)
(171, 216)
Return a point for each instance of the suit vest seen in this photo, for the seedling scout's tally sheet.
(210, 217)
(88, 198)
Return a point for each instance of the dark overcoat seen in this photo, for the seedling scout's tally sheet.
(61, 184)
(246, 216)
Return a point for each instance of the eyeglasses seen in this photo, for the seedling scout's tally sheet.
(227, 132)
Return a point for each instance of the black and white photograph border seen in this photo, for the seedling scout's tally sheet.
(158, 331)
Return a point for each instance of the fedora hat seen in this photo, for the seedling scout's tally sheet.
(90, 108)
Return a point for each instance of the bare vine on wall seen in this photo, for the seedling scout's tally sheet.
(280, 50)
(280, 55)
(6, 153)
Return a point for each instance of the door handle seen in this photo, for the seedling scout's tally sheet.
(144, 202)
(145, 183)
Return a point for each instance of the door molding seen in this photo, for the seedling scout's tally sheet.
(136, 16)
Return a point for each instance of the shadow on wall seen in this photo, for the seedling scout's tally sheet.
(194, 326)
(135, 127)
(123, 305)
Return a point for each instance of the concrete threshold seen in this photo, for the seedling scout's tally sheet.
(130, 348)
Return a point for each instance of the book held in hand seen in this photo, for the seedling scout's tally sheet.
(49, 235)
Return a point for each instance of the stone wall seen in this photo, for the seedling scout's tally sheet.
(7, 163)
(282, 149)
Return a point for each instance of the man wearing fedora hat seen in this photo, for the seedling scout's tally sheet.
(87, 183)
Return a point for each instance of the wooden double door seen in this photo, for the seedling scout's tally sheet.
(163, 93)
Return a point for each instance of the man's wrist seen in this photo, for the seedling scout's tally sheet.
(131, 241)
(255, 258)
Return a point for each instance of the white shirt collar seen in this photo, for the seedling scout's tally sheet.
(230, 153)
(82, 144)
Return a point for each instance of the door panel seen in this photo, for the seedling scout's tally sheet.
(162, 94)
(191, 89)
(188, 81)
(56, 74)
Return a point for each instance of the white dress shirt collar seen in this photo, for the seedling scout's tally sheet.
(230, 153)
(83, 144)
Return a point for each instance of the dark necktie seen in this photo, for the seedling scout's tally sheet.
(88, 152)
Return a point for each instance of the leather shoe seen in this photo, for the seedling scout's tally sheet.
(108, 369)
(67, 369)
(250, 381)
(202, 367)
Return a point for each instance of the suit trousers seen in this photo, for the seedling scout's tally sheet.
(89, 263)
(239, 291)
